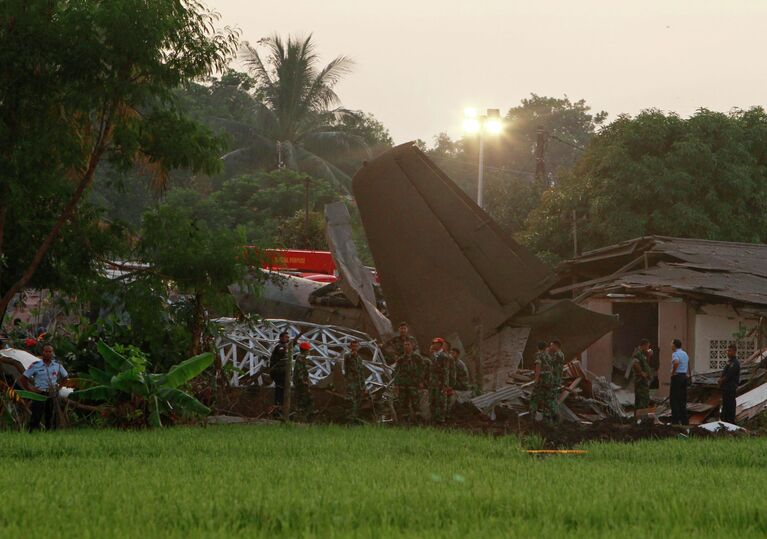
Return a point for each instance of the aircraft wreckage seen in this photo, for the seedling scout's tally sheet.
(444, 266)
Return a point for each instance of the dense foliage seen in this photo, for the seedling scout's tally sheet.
(84, 82)
(296, 119)
(137, 397)
(701, 177)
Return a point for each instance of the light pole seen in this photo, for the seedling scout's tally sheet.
(489, 123)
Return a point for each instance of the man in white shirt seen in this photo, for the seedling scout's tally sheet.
(680, 371)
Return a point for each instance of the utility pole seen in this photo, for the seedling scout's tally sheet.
(540, 155)
(481, 175)
(306, 211)
(575, 234)
(474, 123)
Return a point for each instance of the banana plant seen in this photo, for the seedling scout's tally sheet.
(126, 376)
(12, 411)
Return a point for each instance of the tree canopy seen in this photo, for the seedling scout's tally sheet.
(702, 177)
(86, 81)
(297, 118)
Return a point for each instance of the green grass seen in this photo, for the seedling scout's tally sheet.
(253, 481)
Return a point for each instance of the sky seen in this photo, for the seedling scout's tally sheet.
(420, 63)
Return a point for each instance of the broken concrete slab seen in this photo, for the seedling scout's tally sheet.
(501, 355)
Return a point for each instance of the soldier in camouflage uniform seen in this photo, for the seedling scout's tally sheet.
(395, 347)
(461, 371)
(542, 387)
(452, 373)
(423, 392)
(408, 379)
(354, 372)
(302, 384)
(642, 375)
(439, 381)
(557, 365)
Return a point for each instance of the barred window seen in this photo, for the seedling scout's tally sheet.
(717, 351)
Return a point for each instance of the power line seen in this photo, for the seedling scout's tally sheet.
(567, 143)
(488, 167)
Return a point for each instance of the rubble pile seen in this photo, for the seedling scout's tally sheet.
(586, 398)
(703, 396)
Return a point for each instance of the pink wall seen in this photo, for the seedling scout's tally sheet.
(672, 324)
(600, 354)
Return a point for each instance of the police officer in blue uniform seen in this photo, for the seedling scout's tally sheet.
(45, 377)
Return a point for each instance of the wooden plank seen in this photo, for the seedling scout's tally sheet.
(703, 409)
(644, 412)
(566, 393)
(584, 284)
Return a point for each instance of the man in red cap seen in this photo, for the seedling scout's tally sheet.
(302, 383)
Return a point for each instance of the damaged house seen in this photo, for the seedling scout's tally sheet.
(706, 293)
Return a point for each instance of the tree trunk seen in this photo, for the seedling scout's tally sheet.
(66, 214)
(3, 215)
(197, 325)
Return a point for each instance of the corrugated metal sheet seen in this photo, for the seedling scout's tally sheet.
(738, 287)
(728, 271)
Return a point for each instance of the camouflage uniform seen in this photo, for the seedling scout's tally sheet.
(453, 369)
(439, 382)
(301, 384)
(17, 337)
(425, 371)
(557, 365)
(461, 376)
(452, 381)
(544, 397)
(408, 376)
(395, 347)
(423, 391)
(641, 384)
(355, 381)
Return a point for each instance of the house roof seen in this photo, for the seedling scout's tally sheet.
(727, 272)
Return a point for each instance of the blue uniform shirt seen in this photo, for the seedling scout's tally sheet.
(43, 377)
(683, 359)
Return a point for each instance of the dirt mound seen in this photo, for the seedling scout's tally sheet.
(332, 408)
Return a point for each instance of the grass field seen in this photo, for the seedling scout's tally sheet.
(292, 481)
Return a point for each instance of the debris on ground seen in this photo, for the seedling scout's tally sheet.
(717, 426)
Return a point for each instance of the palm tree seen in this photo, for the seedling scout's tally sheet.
(298, 116)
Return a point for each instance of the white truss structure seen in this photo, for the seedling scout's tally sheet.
(247, 346)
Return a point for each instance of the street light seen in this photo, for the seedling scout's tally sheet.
(489, 123)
